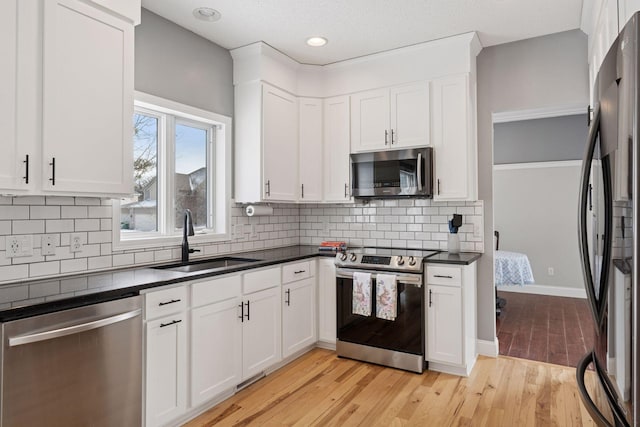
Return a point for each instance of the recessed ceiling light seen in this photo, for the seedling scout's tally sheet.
(206, 14)
(316, 41)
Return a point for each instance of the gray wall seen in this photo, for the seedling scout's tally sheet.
(174, 63)
(547, 71)
(540, 140)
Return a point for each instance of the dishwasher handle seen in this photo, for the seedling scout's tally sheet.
(70, 330)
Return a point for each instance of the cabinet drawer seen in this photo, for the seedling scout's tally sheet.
(215, 290)
(297, 271)
(167, 301)
(448, 276)
(259, 280)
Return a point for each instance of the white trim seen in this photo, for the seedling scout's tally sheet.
(167, 106)
(488, 348)
(539, 113)
(460, 370)
(556, 291)
(539, 165)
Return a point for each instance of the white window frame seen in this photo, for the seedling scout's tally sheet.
(218, 191)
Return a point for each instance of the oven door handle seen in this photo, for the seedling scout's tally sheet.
(419, 172)
(414, 280)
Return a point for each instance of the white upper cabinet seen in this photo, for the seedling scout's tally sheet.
(370, 120)
(453, 138)
(390, 118)
(87, 100)
(336, 149)
(310, 149)
(68, 99)
(10, 171)
(280, 144)
(266, 144)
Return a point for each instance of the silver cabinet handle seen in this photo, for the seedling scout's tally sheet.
(392, 132)
(267, 191)
(346, 190)
(71, 330)
(386, 137)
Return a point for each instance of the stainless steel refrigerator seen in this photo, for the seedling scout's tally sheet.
(609, 223)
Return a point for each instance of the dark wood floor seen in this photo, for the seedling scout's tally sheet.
(544, 328)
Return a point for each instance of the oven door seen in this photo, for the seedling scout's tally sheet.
(405, 334)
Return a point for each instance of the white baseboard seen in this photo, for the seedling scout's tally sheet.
(488, 348)
(556, 291)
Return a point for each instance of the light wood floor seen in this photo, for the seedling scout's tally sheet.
(321, 389)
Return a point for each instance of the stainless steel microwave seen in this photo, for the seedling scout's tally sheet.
(393, 174)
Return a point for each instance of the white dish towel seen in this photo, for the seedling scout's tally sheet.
(361, 294)
(386, 297)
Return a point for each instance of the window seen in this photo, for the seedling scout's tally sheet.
(181, 161)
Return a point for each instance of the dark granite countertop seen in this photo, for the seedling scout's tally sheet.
(463, 258)
(25, 299)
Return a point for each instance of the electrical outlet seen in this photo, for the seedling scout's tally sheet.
(75, 242)
(550, 271)
(19, 246)
(48, 245)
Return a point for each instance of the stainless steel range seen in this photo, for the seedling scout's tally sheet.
(382, 327)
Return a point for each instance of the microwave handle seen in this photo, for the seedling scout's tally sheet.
(419, 171)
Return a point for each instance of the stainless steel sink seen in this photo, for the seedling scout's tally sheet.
(213, 264)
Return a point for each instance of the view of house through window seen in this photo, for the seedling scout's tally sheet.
(190, 179)
(173, 158)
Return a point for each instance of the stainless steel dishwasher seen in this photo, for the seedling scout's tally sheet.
(77, 367)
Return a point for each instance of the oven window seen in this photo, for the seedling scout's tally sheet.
(405, 334)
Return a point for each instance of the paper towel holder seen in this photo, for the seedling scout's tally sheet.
(258, 210)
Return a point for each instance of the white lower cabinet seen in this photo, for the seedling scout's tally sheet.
(216, 338)
(261, 336)
(327, 301)
(166, 361)
(298, 308)
(451, 318)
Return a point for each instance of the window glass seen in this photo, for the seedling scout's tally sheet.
(190, 179)
(140, 212)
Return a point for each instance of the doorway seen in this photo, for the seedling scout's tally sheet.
(537, 162)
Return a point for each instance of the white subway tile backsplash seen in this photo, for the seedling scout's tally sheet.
(59, 225)
(74, 212)
(99, 263)
(29, 200)
(87, 224)
(100, 211)
(44, 269)
(73, 265)
(44, 212)
(28, 227)
(14, 212)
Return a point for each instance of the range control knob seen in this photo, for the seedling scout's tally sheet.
(400, 260)
(352, 257)
(412, 261)
(343, 256)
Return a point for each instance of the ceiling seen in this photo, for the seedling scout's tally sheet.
(361, 27)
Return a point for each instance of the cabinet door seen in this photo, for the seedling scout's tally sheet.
(216, 350)
(336, 149)
(298, 316)
(370, 127)
(444, 324)
(327, 300)
(410, 115)
(280, 144)
(87, 100)
(451, 138)
(10, 171)
(261, 331)
(310, 149)
(166, 394)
